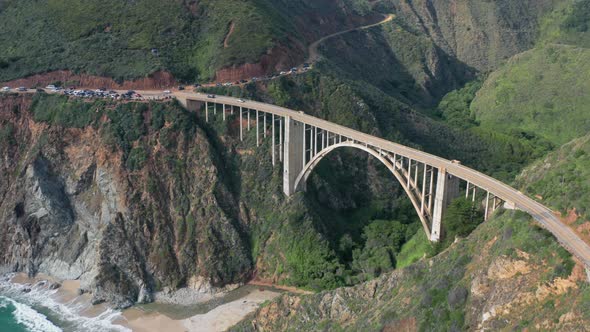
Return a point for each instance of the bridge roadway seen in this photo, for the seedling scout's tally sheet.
(540, 213)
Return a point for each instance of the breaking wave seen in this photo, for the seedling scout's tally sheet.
(29, 299)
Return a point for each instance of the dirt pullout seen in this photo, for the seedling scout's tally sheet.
(157, 80)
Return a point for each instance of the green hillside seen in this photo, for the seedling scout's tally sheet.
(562, 178)
(115, 38)
(542, 92)
(567, 24)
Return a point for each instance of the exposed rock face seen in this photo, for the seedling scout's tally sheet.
(481, 33)
(155, 81)
(71, 209)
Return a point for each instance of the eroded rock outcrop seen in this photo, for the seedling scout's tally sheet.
(72, 208)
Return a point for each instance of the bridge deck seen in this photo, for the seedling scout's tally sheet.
(542, 214)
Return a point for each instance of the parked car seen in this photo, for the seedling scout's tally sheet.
(22, 88)
(218, 84)
(283, 73)
(167, 92)
(6, 89)
(50, 87)
(180, 88)
(210, 96)
(243, 81)
(241, 100)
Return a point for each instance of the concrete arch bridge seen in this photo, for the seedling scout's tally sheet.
(300, 141)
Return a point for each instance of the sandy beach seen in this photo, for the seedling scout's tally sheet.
(140, 321)
(219, 318)
(227, 315)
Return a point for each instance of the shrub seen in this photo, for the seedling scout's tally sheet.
(137, 158)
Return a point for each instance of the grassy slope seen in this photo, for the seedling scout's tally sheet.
(543, 92)
(114, 38)
(562, 178)
(507, 264)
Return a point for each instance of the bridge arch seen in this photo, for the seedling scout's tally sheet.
(383, 158)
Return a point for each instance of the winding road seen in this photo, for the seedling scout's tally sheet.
(313, 48)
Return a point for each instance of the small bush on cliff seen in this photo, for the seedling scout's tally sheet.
(6, 135)
(137, 158)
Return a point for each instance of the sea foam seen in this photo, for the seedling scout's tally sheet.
(39, 295)
(34, 321)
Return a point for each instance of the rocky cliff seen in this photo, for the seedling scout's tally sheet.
(127, 221)
(480, 33)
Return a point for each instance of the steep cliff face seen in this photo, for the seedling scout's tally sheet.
(127, 221)
(480, 33)
(509, 274)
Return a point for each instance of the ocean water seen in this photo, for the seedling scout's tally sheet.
(41, 311)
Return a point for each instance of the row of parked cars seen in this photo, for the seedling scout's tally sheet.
(82, 93)
(102, 93)
(19, 89)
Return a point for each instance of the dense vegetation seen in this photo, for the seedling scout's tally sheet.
(541, 93)
(562, 179)
(567, 24)
(451, 291)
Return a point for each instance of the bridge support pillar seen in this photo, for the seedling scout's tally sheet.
(193, 105)
(447, 189)
(293, 154)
